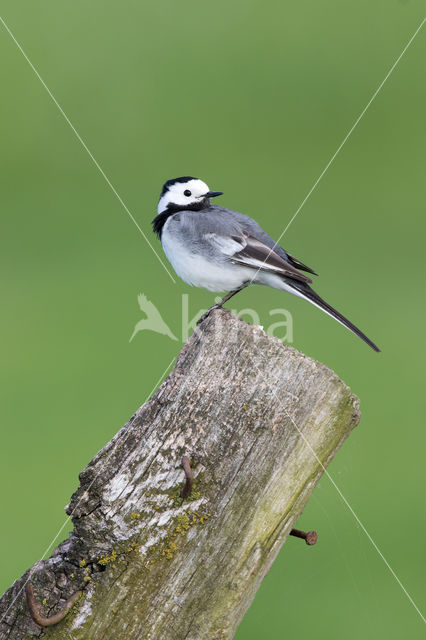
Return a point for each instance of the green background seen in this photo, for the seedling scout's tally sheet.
(253, 97)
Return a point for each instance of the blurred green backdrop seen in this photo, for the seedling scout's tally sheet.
(253, 97)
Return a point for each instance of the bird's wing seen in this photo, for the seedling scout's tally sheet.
(299, 265)
(250, 252)
(254, 229)
(258, 255)
(239, 239)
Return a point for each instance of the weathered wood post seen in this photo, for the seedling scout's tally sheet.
(259, 422)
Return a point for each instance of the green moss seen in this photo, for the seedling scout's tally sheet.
(124, 552)
(61, 630)
(174, 495)
(196, 493)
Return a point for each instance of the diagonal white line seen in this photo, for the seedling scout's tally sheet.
(343, 498)
(79, 500)
(86, 148)
(352, 128)
(327, 166)
(345, 501)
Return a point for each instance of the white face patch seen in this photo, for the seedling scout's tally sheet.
(176, 194)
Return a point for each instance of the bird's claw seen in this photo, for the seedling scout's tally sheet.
(207, 313)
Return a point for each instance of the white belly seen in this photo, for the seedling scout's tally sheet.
(199, 271)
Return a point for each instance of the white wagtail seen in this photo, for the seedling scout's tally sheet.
(224, 250)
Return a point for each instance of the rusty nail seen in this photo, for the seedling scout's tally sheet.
(35, 614)
(309, 537)
(189, 478)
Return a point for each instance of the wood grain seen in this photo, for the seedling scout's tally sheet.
(259, 421)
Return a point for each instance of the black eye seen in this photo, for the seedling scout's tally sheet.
(187, 193)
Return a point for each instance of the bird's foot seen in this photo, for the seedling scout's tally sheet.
(208, 312)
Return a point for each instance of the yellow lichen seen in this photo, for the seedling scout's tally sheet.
(183, 524)
(108, 559)
(170, 550)
(168, 546)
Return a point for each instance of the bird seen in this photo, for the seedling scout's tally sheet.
(220, 250)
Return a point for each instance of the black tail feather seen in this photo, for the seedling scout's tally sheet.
(313, 297)
(299, 265)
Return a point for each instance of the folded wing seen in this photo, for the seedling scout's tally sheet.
(251, 252)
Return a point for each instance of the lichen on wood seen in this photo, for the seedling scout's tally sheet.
(259, 421)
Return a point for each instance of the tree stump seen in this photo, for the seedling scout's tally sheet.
(259, 421)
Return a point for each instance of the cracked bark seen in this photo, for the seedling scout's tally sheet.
(258, 421)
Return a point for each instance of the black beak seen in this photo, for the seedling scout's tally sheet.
(213, 194)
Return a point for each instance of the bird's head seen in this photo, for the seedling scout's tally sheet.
(185, 193)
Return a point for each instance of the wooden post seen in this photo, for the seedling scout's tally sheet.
(259, 422)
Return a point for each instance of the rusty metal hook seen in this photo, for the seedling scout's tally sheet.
(35, 614)
(189, 478)
(310, 537)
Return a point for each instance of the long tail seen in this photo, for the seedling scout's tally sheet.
(304, 291)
